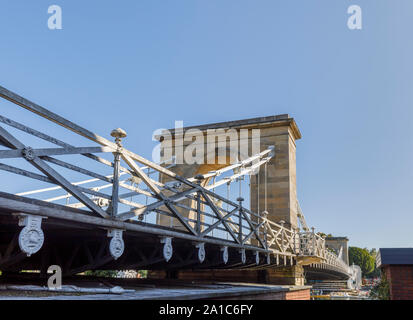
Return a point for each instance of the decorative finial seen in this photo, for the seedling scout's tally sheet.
(199, 178)
(118, 134)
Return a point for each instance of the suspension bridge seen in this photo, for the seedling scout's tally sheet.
(90, 203)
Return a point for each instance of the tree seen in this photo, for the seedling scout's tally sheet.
(376, 272)
(102, 273)
(322, 234)
(143, 273)
(362, 258)
(113, 273)
(381, 291)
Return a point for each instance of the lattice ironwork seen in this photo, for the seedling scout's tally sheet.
(124, 192)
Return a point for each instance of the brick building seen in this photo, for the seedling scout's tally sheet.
(397, 265)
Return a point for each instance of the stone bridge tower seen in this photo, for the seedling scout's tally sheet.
(280, 132)
(339, 244)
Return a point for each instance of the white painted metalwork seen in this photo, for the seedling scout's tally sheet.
(233, 226)
(116, 245)
(243, 256)
(31, 237)
(224, 251)
(167, 250)
(257, 258)
(201, 251)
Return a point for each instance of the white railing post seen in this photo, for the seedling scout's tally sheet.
(118, 134)
(199, 179)
(240, 199)
(312, 241)
(265, 217)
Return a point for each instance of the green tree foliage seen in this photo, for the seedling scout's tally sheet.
(381, 291)
(102, 273)
(376, 272)
(112, 273)
(322, 234)
(362, 258)
(143, 273)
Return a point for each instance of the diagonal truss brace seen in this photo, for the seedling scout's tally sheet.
(52, 174)
(157, 192)
(219, 216)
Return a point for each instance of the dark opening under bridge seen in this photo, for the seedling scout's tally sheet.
(132, 213)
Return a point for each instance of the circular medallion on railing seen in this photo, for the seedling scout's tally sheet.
(167, 249)
(116, 245)
(224, 254)
(31, 239)
(201, 252)
(243, 256)
(101, 202)
(177, 185)
(257, 257)
(28, 153)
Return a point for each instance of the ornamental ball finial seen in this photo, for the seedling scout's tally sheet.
(118, 134)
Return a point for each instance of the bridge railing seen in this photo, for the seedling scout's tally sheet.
(313, 244)
(280, 238)
(124, 187)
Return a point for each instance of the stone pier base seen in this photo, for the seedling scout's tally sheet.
(291, 275)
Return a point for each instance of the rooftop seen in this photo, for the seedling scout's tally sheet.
(260, 122)
(337, 238)
(400, 256)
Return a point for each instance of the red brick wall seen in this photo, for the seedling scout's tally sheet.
(283, 275)
(400, 279)
(303, 294)
(298, 295)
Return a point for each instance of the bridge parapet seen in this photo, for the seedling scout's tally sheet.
(127, 198)
(313, 252)
(312, 244)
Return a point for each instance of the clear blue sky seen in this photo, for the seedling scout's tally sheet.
(140, 65)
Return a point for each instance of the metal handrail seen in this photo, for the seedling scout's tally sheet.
(240, 224)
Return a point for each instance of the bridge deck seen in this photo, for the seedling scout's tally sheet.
(77, 240)
(149, 289)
